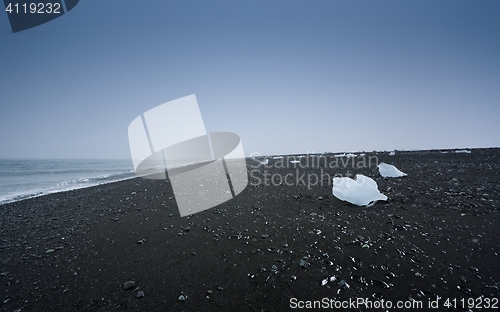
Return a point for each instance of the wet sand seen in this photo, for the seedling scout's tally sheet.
(435, 237)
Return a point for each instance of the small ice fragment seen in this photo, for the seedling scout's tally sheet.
(295, 161)
(389, 171)
(324, 282)
(463, 151)
(277, 157)
(349, 155)
(361, 191)
(265, 162)
(392, 153)
(362, 155)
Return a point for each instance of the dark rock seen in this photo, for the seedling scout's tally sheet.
(129, 285)
(304, 264)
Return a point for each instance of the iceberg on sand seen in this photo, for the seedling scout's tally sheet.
(389, 171)
(361, 191)
(349, 155)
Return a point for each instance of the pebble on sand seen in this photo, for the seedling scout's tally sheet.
(128, 285)
(304, 264)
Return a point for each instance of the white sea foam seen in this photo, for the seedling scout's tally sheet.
(26, 178)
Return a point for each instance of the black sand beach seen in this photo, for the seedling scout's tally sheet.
(437, 236)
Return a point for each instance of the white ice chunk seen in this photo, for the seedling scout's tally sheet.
(392, 153)
(265, 162)
(349, 155)
(277, 157)
(389, 171)
(362, 155)
(361, 191)
(295, 161)
(463, 151)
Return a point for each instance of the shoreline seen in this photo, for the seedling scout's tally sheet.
(62, 191)
(434, 237)
(273, 157)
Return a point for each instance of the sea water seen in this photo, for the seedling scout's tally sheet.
(25, 178)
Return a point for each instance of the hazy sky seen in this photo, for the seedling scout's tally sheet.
(287, 76)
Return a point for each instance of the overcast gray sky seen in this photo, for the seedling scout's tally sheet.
(287, 76)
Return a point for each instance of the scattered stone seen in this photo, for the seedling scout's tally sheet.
(304, 264)
(343, 284)
(128, 285)
(187, 229)
(49, 251)
(182, 298)
(209, 292)
(141, 241)
(140, 294)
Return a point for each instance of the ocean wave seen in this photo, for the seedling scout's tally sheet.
(65, 186)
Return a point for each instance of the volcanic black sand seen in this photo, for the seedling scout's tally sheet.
(437, 236)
